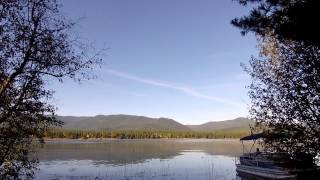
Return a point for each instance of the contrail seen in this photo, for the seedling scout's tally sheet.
(185, 90)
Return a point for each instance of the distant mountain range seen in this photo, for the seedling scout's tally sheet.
(234, 124)
(122, 122)
(130, 122)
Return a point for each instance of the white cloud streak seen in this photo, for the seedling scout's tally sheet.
(185, 90)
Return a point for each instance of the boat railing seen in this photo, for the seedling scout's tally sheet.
(257, 160)
(266, 155)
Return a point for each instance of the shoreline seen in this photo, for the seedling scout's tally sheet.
(62, 140)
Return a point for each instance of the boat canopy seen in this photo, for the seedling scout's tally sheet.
(252, 137)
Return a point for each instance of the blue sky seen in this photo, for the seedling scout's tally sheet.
(167, 58)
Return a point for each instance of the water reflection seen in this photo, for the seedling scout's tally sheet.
(139, 159)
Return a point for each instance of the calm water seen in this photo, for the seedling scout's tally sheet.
(139, 159)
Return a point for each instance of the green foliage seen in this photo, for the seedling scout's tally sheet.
(147, 134)
(285, 84)
(36, 46)
(285, 98)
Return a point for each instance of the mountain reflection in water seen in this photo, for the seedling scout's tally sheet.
(139, 159)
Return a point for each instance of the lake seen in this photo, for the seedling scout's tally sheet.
(184, 159)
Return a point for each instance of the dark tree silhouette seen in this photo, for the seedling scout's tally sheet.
(285, 94)
(296, 20)
(285, 89)
(35, 46)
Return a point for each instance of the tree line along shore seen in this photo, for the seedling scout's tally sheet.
(142, 134)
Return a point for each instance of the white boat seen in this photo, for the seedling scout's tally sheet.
(260, 164)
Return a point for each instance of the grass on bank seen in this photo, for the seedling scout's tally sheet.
(145, 134)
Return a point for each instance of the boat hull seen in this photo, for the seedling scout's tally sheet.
(264, 173)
